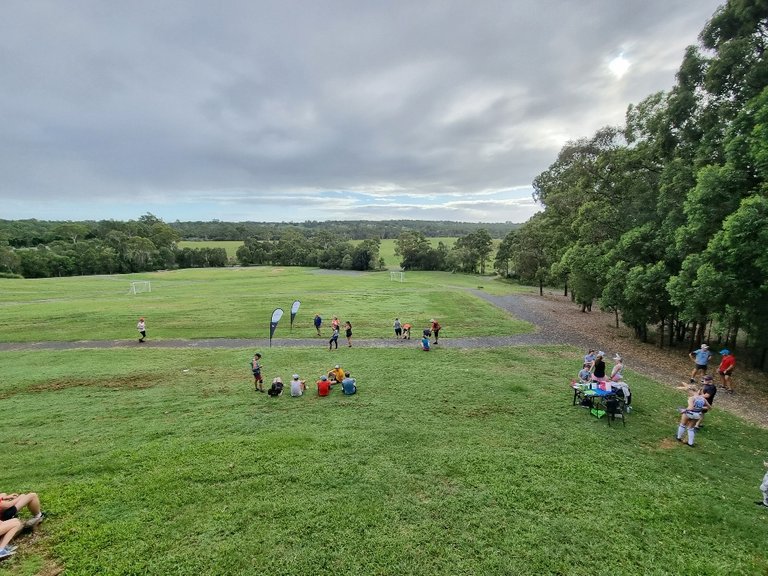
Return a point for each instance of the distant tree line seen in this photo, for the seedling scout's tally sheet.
(664, 221)
(37, 248)
(346, 229)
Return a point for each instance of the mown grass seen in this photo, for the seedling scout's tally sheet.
(238, 303)
(154, 461)
(386, 250)
(230, 246)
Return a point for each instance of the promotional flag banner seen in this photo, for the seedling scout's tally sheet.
(276, 315)
(294, 309)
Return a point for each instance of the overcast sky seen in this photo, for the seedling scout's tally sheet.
(294, 110)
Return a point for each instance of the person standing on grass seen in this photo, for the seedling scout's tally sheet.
(764, 488)
(334, 339)
(398, 328)
(142, 328)
(258, 380)
(700, 359)
(727, 364)
(407, 331)
(318, 323)
(348, 332)
(335, 323)
(708, 390)
(435, 327)
(691, 414)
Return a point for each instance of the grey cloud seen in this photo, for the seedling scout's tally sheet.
(176, 102)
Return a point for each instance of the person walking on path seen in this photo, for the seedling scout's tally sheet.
(334, 339)
(318, 323)
(142, 328)
(258, 379)
(348, 332)
(700, 359)
(398, 328)
(727, 364)
(435, 327)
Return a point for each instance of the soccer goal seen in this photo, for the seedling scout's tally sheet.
(396, 276)
(140, 286)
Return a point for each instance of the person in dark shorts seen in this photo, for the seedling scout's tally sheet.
(276, 389)
(398, 328)
(334, 339)
(318, 323)
(258, 379)
(142, 328)
(12, 504)
(435, 327)
(348, 332)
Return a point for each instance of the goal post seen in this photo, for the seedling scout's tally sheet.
(140, 286)
(396, 276)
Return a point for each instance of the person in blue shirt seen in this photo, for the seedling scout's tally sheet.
(700, 359)
(349, 384)
(425, 343)
(318, 323)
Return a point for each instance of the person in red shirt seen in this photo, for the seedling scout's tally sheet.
(727, 364)
(323, 386)
(435, 327)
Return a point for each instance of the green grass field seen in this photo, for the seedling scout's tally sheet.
(456, 462)
(238, 303)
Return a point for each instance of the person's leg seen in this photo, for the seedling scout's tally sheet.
(728, 384)
(31, 501)
(8, 529)
(691, 433)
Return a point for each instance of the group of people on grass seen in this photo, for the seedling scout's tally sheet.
(336, 375)
(333, 343)
(701, 398)
(701, 357)
(593, 374)
(10, 523)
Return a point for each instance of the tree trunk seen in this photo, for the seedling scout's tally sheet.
(616, 314)
(700, 333)
(661, 333)
(541, 287)
(565, 290)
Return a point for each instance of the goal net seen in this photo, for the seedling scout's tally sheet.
(140, 286)
(396, 276)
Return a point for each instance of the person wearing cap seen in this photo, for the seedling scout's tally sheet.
(323, 386)
(700, 359)
(337, 373)
(276, 389)
(297, 386)
(142, 328)
(618, 367)
(349, 384)
(727, 364)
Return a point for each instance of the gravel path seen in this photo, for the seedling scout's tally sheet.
(557, 321)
